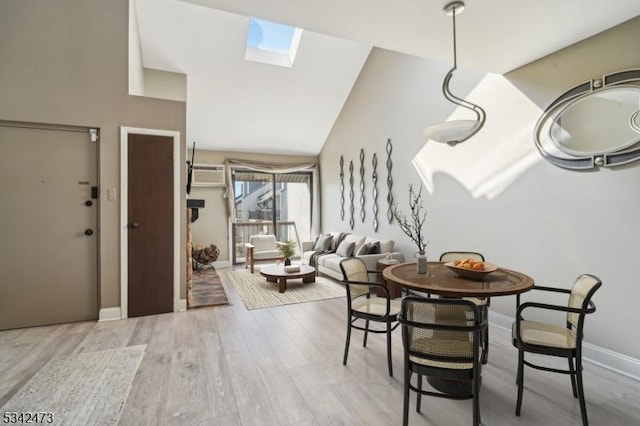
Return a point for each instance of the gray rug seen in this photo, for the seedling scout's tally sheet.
(256, 292)
(89, 388)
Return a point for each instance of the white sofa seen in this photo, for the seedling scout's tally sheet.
(329, 264)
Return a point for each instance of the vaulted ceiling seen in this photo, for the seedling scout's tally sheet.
(236, 105)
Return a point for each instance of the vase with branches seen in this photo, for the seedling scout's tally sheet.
(413, 223)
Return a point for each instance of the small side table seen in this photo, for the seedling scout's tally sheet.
(394, 290)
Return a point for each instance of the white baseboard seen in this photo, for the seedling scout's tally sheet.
(614, 361)
(109, 314)
(182, 305)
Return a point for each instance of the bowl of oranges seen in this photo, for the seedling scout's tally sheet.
(469, 268)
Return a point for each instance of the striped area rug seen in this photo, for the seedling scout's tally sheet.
(256, 292)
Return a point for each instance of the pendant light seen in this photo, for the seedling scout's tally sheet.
(634, 121)
(455, 131)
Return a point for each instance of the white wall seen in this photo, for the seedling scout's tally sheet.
(65, 62)
(136, 78)
(165, 85)
(551, 223)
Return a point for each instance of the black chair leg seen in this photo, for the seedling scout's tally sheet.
(573, 378)
(583, 405)
(366, 332)
(418, 394)
(407, 379)
(346, 343)
(476, 400)
(485, 336)
(520, 380)
(389, 349)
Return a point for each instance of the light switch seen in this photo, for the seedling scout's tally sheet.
(111, 194)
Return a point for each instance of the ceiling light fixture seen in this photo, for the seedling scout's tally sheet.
(455, 131)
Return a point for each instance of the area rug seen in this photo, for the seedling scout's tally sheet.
(206, 290)
(256, 292)
(88, 388)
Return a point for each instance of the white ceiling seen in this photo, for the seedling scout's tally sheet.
(237, 105)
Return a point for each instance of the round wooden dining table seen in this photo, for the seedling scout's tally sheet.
(442, 281)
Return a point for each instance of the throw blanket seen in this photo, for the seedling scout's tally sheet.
(313, 260)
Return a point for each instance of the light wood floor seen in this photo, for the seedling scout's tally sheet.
(226, 365)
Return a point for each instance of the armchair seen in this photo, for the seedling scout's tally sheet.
(441, 339)
(556, 340)
(361, 305)
(262, 247)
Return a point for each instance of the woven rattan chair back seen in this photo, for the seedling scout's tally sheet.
(581, 293)
(440, 329)
(450, 256)
(355, 270)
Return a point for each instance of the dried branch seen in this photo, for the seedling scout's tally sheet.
(412, 225)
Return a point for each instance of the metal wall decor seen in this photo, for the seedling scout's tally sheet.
(341, 187)
(351, 206)
(389, 148)
(362, 185)
(374, 178)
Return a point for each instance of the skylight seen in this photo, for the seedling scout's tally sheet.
(272, 43)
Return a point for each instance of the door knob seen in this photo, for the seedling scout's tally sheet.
(88, 232)
(134, 225)
(88, 203)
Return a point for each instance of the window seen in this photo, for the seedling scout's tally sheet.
(272, 43)
(271, 203)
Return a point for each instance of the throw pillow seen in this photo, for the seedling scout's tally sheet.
(323, 243)
(345, 249)
(386, 246)
(364, 249)
(374, 248)
(334, 241)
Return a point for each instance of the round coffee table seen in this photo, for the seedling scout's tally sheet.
(277, 274)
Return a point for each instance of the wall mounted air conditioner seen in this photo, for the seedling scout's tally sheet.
(208, 175)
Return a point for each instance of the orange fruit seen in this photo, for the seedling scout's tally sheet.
(477, 266)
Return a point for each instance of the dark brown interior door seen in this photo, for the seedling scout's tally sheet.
(150, 234)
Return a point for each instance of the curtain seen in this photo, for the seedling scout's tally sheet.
(234, 164)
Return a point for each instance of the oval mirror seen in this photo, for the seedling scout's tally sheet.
(594, 124)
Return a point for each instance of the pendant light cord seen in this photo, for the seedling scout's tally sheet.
(455, 56)
(476, 109)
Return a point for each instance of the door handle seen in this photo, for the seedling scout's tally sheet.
(134, 225)
(88, 232)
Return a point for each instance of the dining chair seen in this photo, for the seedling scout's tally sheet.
(483, 304)
(556, 340)
(363, 304)
(441, 339)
